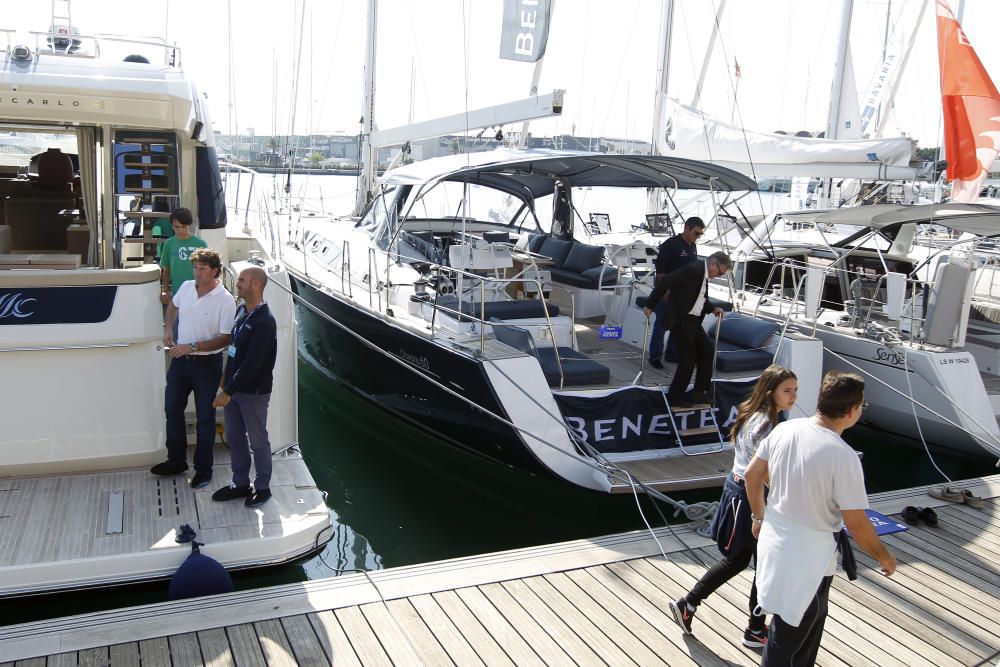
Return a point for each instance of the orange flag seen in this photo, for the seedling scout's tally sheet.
(971, 109)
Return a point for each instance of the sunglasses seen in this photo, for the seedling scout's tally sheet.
(864, 405)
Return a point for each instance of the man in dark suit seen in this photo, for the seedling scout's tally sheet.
(674, 253)
(687, 307)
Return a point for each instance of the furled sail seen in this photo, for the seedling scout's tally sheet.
(971, 106)
(690, 133)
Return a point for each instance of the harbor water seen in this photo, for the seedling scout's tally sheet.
(398, 497)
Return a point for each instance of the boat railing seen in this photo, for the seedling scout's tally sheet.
(248, 203)
(70, 45)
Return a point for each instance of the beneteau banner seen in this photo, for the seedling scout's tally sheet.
(525, 29)
(636, 418)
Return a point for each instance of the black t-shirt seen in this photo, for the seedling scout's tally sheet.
(674, 253)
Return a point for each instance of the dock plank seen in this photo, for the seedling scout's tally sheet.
(273, 643)
(215, 651)
(468, 625)
(334, 641)
(124, 655)
(365, 643)
(61, 660)
(155, 652)
(620, 633)
(572, 644)
(534, 633)
(244, 645)
(184, 649)
(422, 640)
(302, 638)
(454, 643)
(500, 629)
(392, 637)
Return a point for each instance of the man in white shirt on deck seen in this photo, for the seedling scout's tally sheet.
(206, 311)
(816, 486)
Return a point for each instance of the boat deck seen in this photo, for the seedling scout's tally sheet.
(64, 531)
(678, 471)
(601, 601)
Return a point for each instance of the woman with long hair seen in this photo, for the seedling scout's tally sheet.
(774, 393)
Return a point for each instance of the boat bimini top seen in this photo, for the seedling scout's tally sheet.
(533, 173)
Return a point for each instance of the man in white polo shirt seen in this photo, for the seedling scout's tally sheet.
(206, 310)
(817, 487)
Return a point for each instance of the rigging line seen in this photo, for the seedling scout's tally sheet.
(621, 66)
(736, 105)
(329, 65)
(419, 58)
(296, 71)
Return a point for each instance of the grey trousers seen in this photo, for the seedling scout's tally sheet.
(246, 432)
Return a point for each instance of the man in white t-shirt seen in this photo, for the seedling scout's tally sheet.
(206, 311)
(816, 486)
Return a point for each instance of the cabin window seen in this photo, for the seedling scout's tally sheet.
(41, 194)
(211, 194)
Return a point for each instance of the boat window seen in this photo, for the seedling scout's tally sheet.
(41, 195)
(447, 200)
(211, 195)
(380, 216)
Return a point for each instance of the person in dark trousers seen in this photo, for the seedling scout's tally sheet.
(774, 393)
(245, 391)
(816, 488)
(205, 309)
(687, 307)
(675, 252)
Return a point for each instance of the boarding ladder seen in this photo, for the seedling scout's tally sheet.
(679, 433)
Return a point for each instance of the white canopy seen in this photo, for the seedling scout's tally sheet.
(694, 135)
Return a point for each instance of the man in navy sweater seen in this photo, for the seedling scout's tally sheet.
(245, 391)
(675, 252)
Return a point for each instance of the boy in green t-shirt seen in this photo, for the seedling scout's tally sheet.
(175, 258)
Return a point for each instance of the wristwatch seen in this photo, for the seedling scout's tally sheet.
(194, 346)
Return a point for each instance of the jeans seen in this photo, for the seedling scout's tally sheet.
(656, 337)
(797, 647)
(693, 347)
(246, 429)
(723, 571)
(200, 374)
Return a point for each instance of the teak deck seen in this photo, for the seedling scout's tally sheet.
(601, 601)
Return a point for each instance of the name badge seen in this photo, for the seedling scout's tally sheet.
(231, 351)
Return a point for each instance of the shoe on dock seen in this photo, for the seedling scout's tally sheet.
(201, 479)
(258, 497)
(683, 614)
(169, 468)
(947, 493)
(755, 638)
(231, 493)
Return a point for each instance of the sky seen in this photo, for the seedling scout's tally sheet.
(243, 54)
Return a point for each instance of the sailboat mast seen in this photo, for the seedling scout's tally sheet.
(662, 74)
(832, 124)
(366, 154)
(890, 94)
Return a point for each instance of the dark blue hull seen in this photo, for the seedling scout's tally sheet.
(393, 387)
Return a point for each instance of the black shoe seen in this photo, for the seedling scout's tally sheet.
(755, 638)
(201, 480)
(231, 492)
(168, 468)
(682, 614)
(258, 497)
(656, 363)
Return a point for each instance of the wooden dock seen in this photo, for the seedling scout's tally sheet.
(601, 601)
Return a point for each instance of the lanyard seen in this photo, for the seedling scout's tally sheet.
(238, 327)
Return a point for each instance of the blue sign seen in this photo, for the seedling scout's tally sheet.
(610, 332)
(56, 305)
(883, 524)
